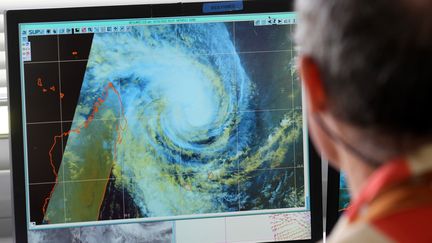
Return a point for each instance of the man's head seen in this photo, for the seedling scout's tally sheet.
(368, 65)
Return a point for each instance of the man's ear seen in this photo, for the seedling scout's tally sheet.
(313, 84)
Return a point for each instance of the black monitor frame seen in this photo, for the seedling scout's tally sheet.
(333, 212)
(15, 17)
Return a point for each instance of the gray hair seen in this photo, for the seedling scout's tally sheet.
(375, 58)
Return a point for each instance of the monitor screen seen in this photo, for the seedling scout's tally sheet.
(338, 197)
(164, 129)
(344, 195)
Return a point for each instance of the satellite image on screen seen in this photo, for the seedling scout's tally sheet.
(344, 195)
(163, 121)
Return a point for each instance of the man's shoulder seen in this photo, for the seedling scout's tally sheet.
(411, 225)
(356, 233)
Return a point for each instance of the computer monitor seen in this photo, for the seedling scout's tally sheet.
(344, 194)
(338, 197)
(160, 123)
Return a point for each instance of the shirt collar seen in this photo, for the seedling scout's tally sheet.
(390, 174)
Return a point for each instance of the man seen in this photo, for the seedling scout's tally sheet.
(367, 71)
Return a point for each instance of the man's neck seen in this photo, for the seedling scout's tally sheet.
(357, 172)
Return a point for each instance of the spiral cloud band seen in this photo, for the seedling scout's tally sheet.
(180, 132)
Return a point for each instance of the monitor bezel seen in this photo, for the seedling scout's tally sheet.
(16, 17)
(332, 211)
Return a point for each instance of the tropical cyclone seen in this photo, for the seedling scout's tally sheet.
(194, 142)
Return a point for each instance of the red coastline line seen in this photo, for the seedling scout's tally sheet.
(86, 123)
